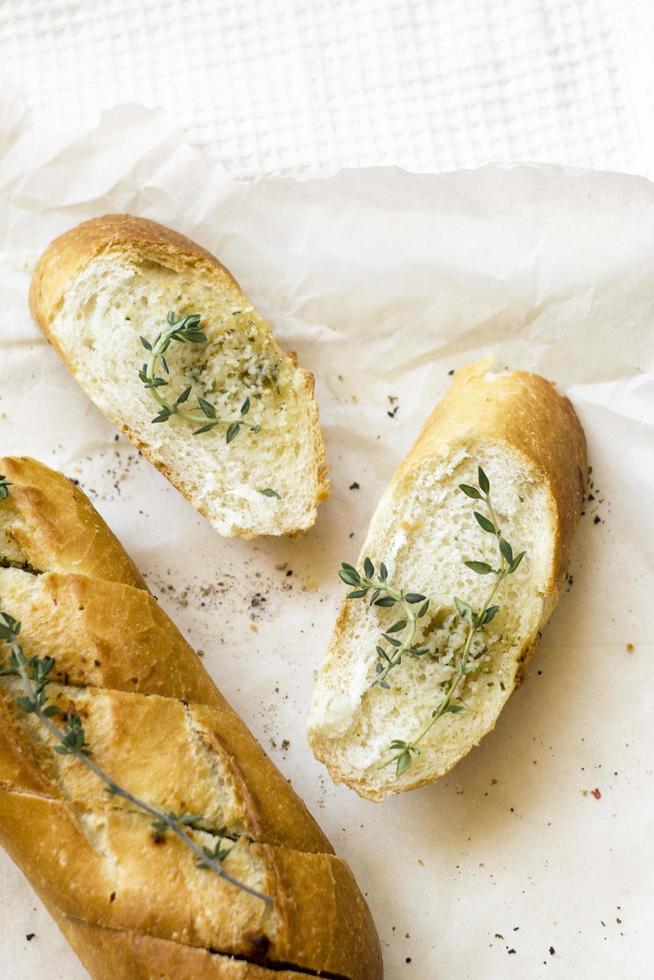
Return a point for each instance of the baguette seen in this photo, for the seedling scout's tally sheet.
(132, 902)
(110, 281)
(530, 444)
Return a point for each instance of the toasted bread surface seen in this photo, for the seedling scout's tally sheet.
(108, 282)
(530, 443)
(128, 897)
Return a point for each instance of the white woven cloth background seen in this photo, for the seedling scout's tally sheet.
(305, 86)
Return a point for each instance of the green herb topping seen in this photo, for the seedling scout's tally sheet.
(35, 673)
(185, 330)
(400, 636)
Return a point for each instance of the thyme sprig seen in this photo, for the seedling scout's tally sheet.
(4, 486)
(466, 662)
(35, 674)
(400, 636)
(185, 330)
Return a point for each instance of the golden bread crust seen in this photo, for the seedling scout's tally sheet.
(111, 953)
(139, 239)
(107, 867)
(158, 725)
(525, 414)
(68, 254)
(55, 526)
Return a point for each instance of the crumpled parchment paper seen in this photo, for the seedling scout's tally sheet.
(534, 857)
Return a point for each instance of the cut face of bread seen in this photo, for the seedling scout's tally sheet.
(424, 530)
(269, 477)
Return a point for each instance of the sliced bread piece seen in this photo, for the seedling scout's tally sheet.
(518, 448)
(158, 773)
(259, 465)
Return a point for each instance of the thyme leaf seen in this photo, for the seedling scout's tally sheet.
(185, 330)
(400, 636)
(465, 664)
(35, 674)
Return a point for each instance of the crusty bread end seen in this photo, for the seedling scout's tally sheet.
(531, 445)
(104, 284)
(133, 901)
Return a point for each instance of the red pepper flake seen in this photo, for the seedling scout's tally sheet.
(596, 793)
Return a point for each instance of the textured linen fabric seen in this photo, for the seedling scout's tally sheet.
(302, 86)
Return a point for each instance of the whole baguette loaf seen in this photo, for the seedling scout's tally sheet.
(108, 282)
(133, 902)
(531, 446)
